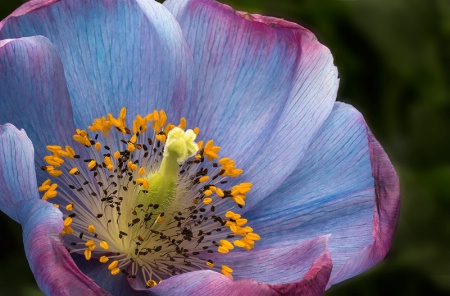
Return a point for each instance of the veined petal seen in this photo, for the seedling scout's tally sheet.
(333, 191)
(387, 206)
(52, 266)
(276, 265)
(265, 87)
(115, 53)
(17, 176)
(33, 93)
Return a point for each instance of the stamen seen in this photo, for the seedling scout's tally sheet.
(150, 201)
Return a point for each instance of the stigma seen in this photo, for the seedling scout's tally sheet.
(147, 200)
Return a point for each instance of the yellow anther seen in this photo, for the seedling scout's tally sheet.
(73, 171)
(241, 222)
(226, 244)
(55, 173)
(145, 184)
(108, 163)
(49, 194)
(104, 259)
(238, 243)
(140, 181)
(226, 270)
(67, 221)
(161, 137)
(219, 192)
(232, 215)
(69, 207)
(222, 250)
(209, 264)
(92, 164)
(53, 148)
(133, 139)
(101, 124)
(45, 185)
(196, 131)
(87, 254)
(56, 206)
(116, 155)
(82, 138)
(91, 228)
(131, 147)
(207, 201)
(70, 152)
(141, 171)
(211, 151)
(139, 124)
(182, 124)
(115, 271)
(203, 179)
(104, 245)
(113, 265)
(90, 244)
(207, 192)
(98, 146)
(151, 283)
(253, 236)
(239, 200)
(160, 219)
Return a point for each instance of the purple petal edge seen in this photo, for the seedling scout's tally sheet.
(52, 266)
(386, 213)
(28, 7)
(313, 283)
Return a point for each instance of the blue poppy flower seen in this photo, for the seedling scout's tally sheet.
(293, 195)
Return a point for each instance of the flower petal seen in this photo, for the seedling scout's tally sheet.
(265, 87)
(387, 207)
(99, 272)
(115, 53)
(333, 192)
(17, 177)
(275, 265)
(52, 266)
(33, 92)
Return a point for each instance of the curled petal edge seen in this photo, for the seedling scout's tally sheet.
(386, 213)
(54, 270)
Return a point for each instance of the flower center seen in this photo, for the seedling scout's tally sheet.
(147, 202)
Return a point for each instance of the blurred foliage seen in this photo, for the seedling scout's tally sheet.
(394, 62)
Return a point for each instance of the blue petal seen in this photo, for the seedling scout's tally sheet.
(33, 93)
(17, 177)
(265, 87)
(115, 54)
(54, 270)
(290, 263)
(330, 192)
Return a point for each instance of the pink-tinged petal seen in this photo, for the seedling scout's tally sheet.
(313, 266)
(33, 93)
(386, 213)
(275, 265)
(117, 53)
(265, 87)
(334, 191)
(17, 176)
(313, 283)
(54, 270)
(28, 7)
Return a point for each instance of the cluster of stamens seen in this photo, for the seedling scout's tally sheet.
(142, 203)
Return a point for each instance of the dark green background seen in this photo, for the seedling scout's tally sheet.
(394, 62)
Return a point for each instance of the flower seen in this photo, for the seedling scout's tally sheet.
(305, 172)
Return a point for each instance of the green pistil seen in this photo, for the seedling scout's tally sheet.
(180, 145)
